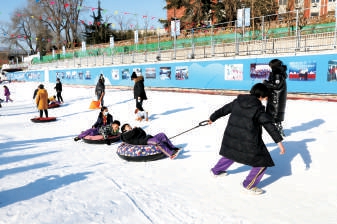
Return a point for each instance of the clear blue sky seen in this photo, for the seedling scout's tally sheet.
(150, 8)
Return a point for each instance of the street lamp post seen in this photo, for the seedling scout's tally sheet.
(158, 55)
(335, 35)
(243, 20)
(236, 39)
(175, 39)
(297, 29)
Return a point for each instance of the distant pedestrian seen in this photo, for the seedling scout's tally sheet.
(100, 89)
(35, 92)
(139, 95)
(58, 88)
(277, 97)
(7, 94)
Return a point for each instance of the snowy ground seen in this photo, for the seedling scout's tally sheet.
(46, 177)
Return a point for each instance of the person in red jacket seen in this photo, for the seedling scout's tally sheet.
(242, 140)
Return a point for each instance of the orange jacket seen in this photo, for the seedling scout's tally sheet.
(42, 99)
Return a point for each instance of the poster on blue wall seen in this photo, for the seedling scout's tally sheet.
(73, 74)
(126, 73)
(150, 73)
(138, 71)
(165, 73)
(115, 74)
(332, 70)
(30, 76)
(233, 72)
(259, 71)
(181, 72)
(302, 71)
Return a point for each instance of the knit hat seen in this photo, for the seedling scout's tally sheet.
(134, 75)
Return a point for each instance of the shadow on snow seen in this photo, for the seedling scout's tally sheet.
(39, 187)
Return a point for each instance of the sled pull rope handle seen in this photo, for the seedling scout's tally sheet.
(202, 123)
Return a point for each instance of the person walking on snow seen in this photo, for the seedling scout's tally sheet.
(139, 95)
(242, 140)
(7, 94)
(277, 97)
(58, 88)
(100, 89)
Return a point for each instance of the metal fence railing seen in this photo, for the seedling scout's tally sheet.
(281, 36)
(283, 45)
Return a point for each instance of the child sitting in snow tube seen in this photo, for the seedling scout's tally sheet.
(107, 134)
(104, 119)
(139, 146)
(52, 102)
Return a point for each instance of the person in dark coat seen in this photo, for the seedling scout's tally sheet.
(277, 98)
(103, 119)
(139, 95)
(35, 92)
(242, 141)
(58, 88)
(137, 136)
(100, 89)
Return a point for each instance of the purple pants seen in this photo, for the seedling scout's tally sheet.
(90, 132)
(163, 142)
(254, 177)
(8, 99)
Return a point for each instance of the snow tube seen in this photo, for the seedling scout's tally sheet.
(98, 139)
(139, 153)
(53, 105)
(43, 119)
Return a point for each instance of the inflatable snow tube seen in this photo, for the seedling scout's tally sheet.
(43, 119)
(98, 139)
(53, 105)
(139, 153)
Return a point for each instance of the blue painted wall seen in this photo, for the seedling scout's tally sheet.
(207, 74)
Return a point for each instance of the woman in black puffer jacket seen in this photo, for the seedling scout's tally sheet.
(277, 86)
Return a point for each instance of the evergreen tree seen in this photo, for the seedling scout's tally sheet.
(98, 31)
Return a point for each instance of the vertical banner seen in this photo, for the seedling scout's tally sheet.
(83, 46)
(136, 36)
(112, 42)
(243, 17)
(175, 28)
